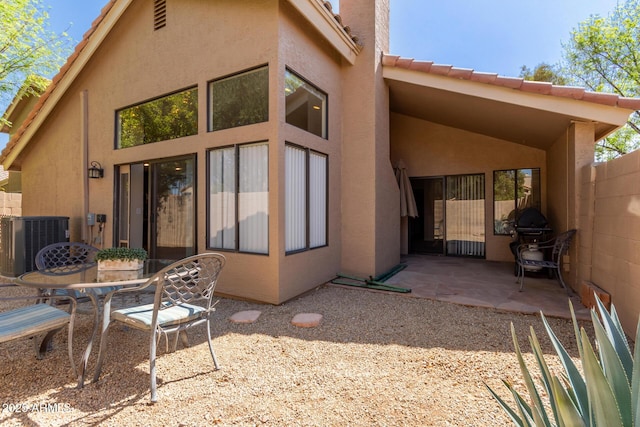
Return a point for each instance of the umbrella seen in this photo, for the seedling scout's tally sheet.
(407, 202)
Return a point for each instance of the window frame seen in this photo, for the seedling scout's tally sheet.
(324, 132)
(537, 204)
(308, 152)
(118, 125)
(210, 97)
(236, 198)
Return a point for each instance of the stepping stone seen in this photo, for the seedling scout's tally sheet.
(248, 316)
(306, 320)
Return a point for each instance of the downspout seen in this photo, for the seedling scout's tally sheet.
(84, 147)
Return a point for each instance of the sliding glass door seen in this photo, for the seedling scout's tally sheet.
(465, 215)
(156, 207)
(451, 216)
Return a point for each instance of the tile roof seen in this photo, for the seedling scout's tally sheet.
(543, 88)
(338, 18)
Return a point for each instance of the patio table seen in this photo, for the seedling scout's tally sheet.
(87, 281)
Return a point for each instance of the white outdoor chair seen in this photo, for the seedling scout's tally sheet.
(177, 287)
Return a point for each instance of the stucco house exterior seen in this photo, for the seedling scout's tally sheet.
(271, 130)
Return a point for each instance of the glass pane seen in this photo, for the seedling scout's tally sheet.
(465, 215)
(306, 105)
(528, 188)
(175, 213)
(513, 191)
(239, 100)
(123, 215)
(169, 117)
(295, 198)
(222, 198)
(504, 201)
(317, 200)
(253, 198)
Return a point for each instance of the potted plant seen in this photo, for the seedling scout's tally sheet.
(121, 258)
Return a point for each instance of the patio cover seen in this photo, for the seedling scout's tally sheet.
(531, 113)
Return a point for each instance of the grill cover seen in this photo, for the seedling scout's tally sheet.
(531, 218)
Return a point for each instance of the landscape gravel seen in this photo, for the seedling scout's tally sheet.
(376, 359)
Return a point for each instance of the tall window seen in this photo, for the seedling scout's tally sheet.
(168, 117)
(305, 199)
(306, 105)
(513, 191)
(238, 198)
(239, 100)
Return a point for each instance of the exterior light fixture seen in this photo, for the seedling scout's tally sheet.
(96, 171)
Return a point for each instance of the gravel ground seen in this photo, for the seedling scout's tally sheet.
(375, 359)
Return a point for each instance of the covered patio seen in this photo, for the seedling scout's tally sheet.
(481, 283)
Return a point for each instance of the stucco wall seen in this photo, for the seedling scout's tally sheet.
(431, 150)
(201, 42)
(370, 213)
(615, 260)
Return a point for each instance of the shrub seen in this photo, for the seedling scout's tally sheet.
(126, 254)
(604, 393)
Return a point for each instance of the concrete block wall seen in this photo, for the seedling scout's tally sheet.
(615, 236)
(10, 204)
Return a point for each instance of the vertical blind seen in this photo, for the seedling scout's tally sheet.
(253, 198)
(465, 215)
(317, 200)
(222, 198)
(295, 198)
(249, 219)
(305, 199)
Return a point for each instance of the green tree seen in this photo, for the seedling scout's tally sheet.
(543, 73)
(603, 54)
(27, 49)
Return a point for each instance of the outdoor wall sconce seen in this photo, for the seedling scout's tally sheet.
(96, 171)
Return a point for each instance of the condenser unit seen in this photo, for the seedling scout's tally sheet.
(21, 237)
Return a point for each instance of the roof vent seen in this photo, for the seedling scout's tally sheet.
(159, 14)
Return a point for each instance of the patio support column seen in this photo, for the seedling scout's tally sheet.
(567, 163)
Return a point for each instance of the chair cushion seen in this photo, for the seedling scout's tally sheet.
(140, 316)
(77, 294)
(31, 320)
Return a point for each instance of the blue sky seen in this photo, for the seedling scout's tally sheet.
(496, 36)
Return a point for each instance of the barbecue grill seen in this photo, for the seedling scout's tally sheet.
(530, 226)
(530, 223)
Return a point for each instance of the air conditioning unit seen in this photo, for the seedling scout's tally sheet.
(21, 237)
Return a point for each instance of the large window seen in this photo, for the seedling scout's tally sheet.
(306, 105)
(305, 199)
(238, 198)
(513, 191)
(168, 117)
(239, 100)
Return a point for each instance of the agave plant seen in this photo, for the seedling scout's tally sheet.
(605, 392)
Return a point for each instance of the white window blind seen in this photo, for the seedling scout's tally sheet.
(253, 198)
(239, 207)
(295, 198)
(317, 200)
(305, 199)
(222, 199)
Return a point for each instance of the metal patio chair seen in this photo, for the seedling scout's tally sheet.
(38, 319)
(69, 258)
(177, 287)
(557, 247)
(65, 258)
